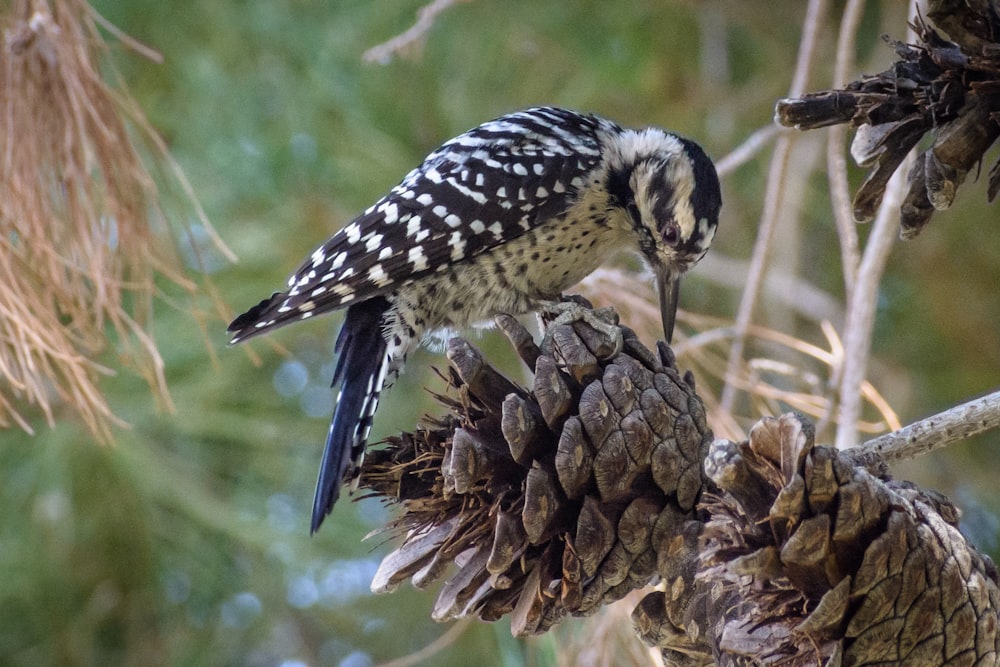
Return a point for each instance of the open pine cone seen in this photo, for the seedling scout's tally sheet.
(947, 89)
(808, 559)
(552, 501)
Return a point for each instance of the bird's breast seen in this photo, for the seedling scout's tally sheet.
(511, 277)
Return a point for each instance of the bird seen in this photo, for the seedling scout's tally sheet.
(500, 219)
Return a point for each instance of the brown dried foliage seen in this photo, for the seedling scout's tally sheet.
(948, 89)
(78, 257)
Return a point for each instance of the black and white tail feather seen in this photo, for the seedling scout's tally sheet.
(499, 219)
(361, 370)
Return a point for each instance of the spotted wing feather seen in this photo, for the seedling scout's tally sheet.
(480, 189)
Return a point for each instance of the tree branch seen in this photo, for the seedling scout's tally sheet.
(769, 218)
(412, 36)
(836, 161)
(927, 435)
(861, 313)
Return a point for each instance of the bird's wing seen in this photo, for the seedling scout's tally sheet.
(478, 190)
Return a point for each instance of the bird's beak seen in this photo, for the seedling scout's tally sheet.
(668, 284)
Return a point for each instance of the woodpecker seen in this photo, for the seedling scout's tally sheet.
(500, 219)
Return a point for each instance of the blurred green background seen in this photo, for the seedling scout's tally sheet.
(187, 542)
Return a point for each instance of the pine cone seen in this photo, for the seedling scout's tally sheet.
(949, 89)
(808, 559)
(553, 500)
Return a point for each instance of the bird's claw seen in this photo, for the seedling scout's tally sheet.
(603, 320)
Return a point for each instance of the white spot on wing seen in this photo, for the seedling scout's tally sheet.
(417, 258)
(474, 195)
(353, 232)
(391, 214)
(457, 243)
(377, 275)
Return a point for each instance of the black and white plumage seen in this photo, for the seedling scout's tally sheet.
(501, 219)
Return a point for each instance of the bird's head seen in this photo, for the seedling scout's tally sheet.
(668, 189)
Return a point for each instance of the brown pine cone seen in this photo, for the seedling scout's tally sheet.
(808, 559)
(947, 89)
(553, 500)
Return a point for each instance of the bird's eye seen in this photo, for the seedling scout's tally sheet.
(671, 235)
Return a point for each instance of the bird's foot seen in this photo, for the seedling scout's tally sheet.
(577, 309)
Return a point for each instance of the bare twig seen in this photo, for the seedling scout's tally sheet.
(943, 429)
(861, 307)
(127, 40)
(836, 158)
(446, 639)
(758, 264)
(746, 151)
(779, 161)
(413, 36)
(861, 310)
(794, 292)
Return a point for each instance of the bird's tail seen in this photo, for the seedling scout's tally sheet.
(361, 369)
